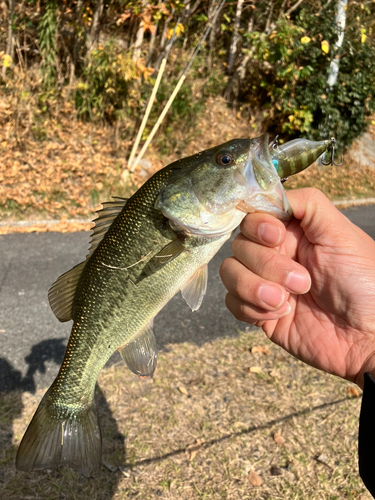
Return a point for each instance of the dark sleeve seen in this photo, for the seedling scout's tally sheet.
(366, 439)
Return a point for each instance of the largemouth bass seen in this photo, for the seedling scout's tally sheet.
(143, 251)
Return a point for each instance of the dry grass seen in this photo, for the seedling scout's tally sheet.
(201, 428)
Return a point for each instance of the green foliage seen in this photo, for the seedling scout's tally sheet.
(47, 29)
(289, 77)
(282, 62)
(104, 87)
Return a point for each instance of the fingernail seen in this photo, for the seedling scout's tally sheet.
(269, 233)
(271, 295)
(297, 282)
(287, 310)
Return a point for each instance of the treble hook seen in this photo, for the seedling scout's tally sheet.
(333, 149)
(275, 143)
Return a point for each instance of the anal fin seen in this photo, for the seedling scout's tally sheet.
(140, 355)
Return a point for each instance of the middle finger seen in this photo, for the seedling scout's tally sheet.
(270, 265)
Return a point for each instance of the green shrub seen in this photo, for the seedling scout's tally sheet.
(104, 88)
(288, 79)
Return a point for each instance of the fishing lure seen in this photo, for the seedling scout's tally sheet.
(298, 154)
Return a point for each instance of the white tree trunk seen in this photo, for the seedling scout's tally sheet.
(340, 21)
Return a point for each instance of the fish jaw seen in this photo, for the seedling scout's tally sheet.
(265, 192)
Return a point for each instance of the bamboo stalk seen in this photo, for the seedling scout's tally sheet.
(147, 113)
(178, 86)
(160, 119)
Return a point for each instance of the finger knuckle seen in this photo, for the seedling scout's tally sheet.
(268, 264)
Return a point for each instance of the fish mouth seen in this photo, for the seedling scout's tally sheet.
(265, 192)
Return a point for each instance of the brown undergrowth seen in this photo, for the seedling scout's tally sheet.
(56, 167)
(237, 418)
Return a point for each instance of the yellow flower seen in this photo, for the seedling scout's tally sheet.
(305, 39)
(7, 61)
(325, 46)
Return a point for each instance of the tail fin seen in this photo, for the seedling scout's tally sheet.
(50, 441)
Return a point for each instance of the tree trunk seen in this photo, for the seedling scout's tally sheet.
(235, 37)
(340, 21)
(212, 39)
(95, 26)
(239, 75)
(9, 51)
(138, 41)
(163, 43)
(152, 44)
(76, 42)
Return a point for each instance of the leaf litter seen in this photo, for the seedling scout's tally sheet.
(56, 167)
(239, 437)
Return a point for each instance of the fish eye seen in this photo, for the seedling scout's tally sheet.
(225, 159)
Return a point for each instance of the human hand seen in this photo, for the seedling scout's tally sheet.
(309, 283)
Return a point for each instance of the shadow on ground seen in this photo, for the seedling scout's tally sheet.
(19, 485)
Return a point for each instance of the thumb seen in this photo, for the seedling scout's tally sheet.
(320, 220)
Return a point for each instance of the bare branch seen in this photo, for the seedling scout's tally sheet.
(297, 4)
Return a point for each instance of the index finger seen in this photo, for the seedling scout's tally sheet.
(264, 229)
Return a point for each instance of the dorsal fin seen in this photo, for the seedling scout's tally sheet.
(61, 294)
(104, 219)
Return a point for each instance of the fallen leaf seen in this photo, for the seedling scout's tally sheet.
(261, 350)
(183, 390)
(279, 440)
(192, 450)
(255, 369)
(274, 374)
(255, 478)
(353, 392)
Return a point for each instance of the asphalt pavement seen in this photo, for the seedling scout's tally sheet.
(32, 339)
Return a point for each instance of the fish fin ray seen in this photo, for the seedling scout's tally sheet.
(104, 220)
(195, 288)
(140, 355)
(168, 253)
(61, 294)
(49, 442)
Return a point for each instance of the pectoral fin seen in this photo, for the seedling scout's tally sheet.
(141, 354)
(194, 289)
(169, 252)
(61, 294)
